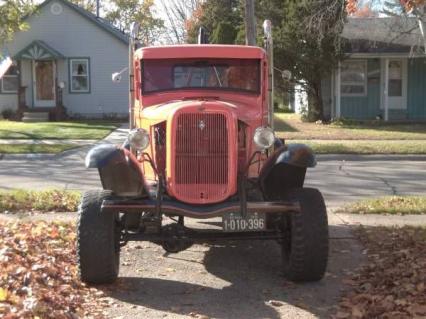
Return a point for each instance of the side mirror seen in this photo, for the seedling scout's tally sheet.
(286, 75)
(116, 77)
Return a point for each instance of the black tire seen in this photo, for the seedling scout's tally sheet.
(98, 246)
(305, 250)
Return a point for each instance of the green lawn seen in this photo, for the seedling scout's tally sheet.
(402, 147)
(350, 137)
(289, 126)
(403, 205)
(34, 148)
(87, 130)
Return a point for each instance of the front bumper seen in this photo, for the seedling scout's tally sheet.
(169, 207)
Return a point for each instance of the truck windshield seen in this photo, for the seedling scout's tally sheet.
(212, 74)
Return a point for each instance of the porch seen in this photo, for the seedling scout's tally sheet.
(39, 92)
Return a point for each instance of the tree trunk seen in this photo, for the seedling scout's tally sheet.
(250, 23)
(316, 106)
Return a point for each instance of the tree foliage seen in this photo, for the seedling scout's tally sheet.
(123, 13)
(11, 14)
(223, 20)
(306, 36)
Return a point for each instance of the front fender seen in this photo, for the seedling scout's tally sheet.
(286, 169)
(119, 170)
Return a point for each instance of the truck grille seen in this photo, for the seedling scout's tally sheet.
(201, 157)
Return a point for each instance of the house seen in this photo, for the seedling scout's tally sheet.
(383, 75)
(64, 62)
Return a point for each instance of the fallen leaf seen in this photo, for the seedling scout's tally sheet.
(3, 294)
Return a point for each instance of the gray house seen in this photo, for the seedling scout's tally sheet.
(64, 63)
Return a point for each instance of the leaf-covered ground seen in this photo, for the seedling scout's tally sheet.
(38, 277)
(20, 200)
(392, 284)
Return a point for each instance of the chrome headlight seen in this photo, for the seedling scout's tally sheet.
(264, 137)
(139, 139)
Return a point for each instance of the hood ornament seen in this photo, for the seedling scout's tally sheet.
(202, 125)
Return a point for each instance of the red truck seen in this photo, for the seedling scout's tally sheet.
(202, 146)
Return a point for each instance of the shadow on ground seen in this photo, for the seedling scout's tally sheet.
(230, 281)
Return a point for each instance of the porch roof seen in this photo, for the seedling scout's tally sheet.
(38, 50)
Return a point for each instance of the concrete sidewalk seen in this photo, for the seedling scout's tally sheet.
(47, 141)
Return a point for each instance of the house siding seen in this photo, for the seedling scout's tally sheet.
(416, 89)
(365, 107)
(75, 36)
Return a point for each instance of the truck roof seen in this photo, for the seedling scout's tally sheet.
(201, 51)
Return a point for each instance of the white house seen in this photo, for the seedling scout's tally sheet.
(64, 62)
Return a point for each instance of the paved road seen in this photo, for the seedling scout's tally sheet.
(237, 280)
(340, 181)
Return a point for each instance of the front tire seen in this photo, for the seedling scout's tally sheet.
(305, 248)
(98, 246)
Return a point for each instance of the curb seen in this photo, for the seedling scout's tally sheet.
(371, 157)
(382, 220)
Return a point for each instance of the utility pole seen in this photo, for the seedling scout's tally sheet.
(250, 23)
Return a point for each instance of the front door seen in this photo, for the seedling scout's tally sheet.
(44, 83)
(397, 84)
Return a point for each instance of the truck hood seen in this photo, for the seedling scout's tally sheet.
(243, 112)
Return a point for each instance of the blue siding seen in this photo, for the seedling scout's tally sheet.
(365, 107)
(416, 89)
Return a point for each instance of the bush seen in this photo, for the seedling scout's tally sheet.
(8, 114)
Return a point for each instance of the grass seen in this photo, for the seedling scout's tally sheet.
(40, 201)
(401, 205)
(34, 148)
(404, 147)
(85, 130)
(289, 126)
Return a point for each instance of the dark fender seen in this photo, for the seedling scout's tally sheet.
(285, 169)
(119, 170)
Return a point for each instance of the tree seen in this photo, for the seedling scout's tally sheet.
(218, 17)
(307, 42)
(306, 37)
(180, 13)
(224, 33)
(124, 12)
(250, 22)
(11, 17)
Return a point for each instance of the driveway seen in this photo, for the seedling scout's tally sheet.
(238, 280)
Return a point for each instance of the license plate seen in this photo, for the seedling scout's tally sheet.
(234, 222)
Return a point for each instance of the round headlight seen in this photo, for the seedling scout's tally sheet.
(139, 139)
(264, 137)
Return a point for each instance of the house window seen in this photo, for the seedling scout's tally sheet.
(79, 75)
(10, 80)
(354, 78)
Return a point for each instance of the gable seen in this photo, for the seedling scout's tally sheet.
(99, 22)
(67, 32)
